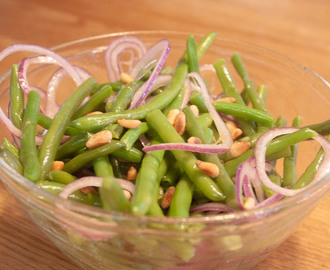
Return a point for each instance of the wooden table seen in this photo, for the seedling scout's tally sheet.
(299, 29)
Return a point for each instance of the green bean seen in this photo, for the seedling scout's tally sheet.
(115, 164)
(245, 112)
(16, 98)
(29, 152)
(191, 50)
(86, 157)
(245, 97)
(289, 163)
(10, 147)
(208, 133)
(252, 139)
(204, 120)
(197, 100)
(56, 188)
(133, 154)
(59, 124)
(277, 145)
(93, 122)
(72, 146)
(131, 135)
(256, 101)
(112, 195)
(171, 176)
(116, 86)
(11, 159)
(146, 180)
(230, 90)
(61, 177)
(281, 121)
(45, 122)
(321, 128)
(311, 170)
(262, 92)
(115, 129)
(276, 179)
(176, 102)
(93, 102)
(182, 198)
(102, 167)
(205, 43)
(187, 160)
(223, 180)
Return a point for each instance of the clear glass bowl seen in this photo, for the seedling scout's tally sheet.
(228, 241)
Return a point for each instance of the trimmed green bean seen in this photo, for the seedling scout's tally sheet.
(204, 120)
(289, 163)
(102, 167)
(10, 147)
(86, 157)
(115, 164)
(29, 152)
(115, 129)
(321, 128)
(131, 135)
(281, 121)
(191, 50)
(11, 159)
(197, 100)
(95, 100)
(230, 90)
(187, 160)
(61, 177)
(133, 154)
(262, 92)
(182, 198)
(16, 98)
(72, 146)
(112, 195)
(245, 112)
(146, 180)
(60, 123)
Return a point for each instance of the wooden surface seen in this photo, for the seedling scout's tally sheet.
(299, 29)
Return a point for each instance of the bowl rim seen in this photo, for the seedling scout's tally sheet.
(17, 179)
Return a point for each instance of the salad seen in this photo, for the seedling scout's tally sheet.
(155, 140)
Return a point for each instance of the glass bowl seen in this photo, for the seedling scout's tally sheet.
(95, 239)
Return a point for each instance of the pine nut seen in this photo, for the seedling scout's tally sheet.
(131, 173)
(195, 110)
(167, 198)
(98, 139)
(95, 112)
(234, 130)
(57, 165)
(127, 194)
(194, 140)
(250, 203)
(126, 78)
(129, 123)
(208, 168)
(238, 148)
(87, 190)
(180, 123)
(172, 115)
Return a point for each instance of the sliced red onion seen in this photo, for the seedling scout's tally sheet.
(200, 86)
(269, 201)
(51, 105)
(260, 151)
(214, 207)
(40, 50)
(247, 188)
(207, 67)
(186, 93)
(92, 181)
(162, 47)
(116, 48)
(199, 148)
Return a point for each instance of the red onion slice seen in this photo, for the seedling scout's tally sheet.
(214, 207)
(94, 181)
(269, 201)
(40, 50)
(260, 151)
(199, 148)
(161, 47)
(116, 48)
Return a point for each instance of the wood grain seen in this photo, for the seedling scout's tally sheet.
(298, 29)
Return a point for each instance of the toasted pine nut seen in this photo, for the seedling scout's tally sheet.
(129, 123)
(167, 198)
(226, 99)
(236, 133)
(250, 203)
(238, 148)
(126, 78)
(180, 123)
(57, 165)
(98, 139)
(95, 112)
(194, 140)
(127, 194)
(87, 190)
(172, 115)
(194, 109)
(208, 168)
(131, 173)
(231, 125)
